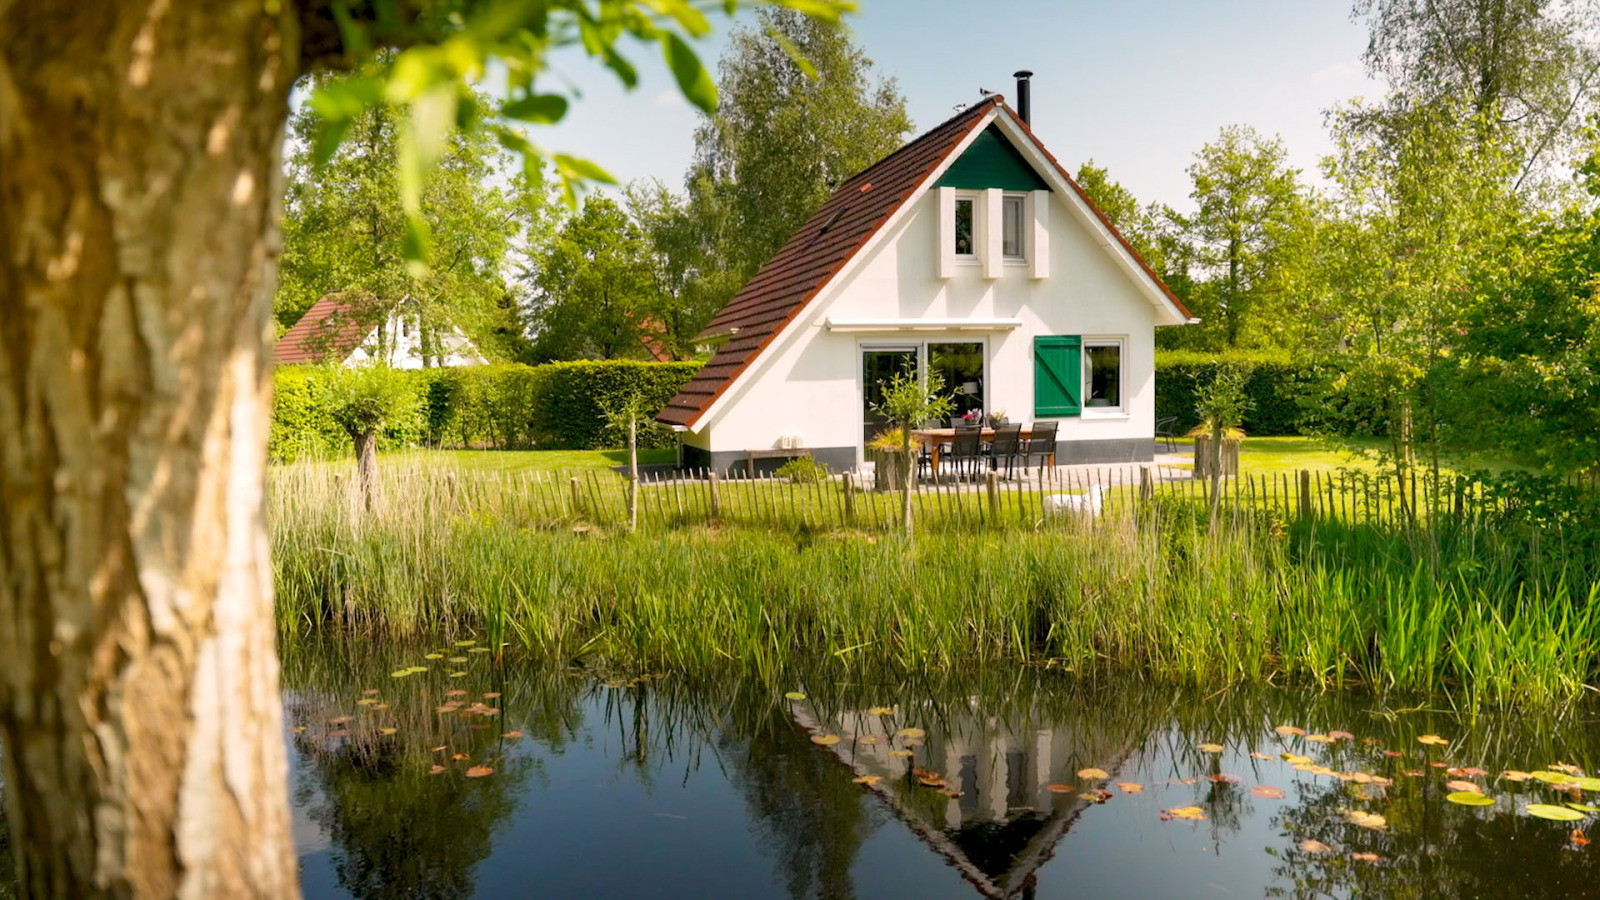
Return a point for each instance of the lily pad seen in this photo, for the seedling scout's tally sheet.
(1209, 748)
(1469, 798)
(433, 656)
(387, 731)
(1184, 814)
(1588, 784)
(881, 711)
(1311, 846)
(1433, 740)
(868, 780)
(1553, 813)
(795, 695)
(1088, 774)
(1270, 793)
(913, 733)
(1289, 731)
(1130, 787)
(1549, 777)
(826, 740)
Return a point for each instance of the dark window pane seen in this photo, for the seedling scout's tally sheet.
(964, 227)
(960, 366)
(1105, 375)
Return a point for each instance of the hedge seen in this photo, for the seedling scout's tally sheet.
(553, 406)
(1288, 395)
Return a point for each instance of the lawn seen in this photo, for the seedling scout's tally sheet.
(531, 460)
(1288, 455)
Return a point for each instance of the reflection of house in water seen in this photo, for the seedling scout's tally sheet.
(1006, 822)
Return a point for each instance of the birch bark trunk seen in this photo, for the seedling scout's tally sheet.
(139, 201)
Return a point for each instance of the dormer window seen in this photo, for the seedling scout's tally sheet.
(965, 230)
(1013, 213)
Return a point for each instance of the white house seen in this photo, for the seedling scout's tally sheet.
(336, 328)
(970, 251)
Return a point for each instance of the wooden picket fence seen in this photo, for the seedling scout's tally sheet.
(676, 499)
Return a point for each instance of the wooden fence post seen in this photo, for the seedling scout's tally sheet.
(577, 496)
(1147, 485)
(991, 484)
(849, 500)
(716, 502)
(1305, 493)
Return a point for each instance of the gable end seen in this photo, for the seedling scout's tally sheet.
(991, 162)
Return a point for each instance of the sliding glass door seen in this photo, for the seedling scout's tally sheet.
(879, 365)
(959, 364)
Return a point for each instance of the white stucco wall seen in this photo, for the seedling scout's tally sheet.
(808, 383)
(405, 348)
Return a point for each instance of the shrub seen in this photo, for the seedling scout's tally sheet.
(555, 406)
(570, 400)
(803, 470)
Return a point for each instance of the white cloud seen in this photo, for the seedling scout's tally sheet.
(1339, 71)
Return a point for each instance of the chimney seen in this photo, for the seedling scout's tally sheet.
(1024, 97)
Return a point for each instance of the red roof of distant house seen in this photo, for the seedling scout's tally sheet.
(330, 329)
(651, 332)
(829, 239)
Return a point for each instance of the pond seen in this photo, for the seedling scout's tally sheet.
(462, 775)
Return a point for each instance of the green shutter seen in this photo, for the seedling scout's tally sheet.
(1057, 375)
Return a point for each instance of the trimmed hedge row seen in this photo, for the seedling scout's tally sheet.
(554, 406)
(1288, 395)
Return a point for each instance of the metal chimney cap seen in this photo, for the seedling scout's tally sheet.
(1022, 73)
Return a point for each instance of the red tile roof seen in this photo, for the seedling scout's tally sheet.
(330, 329)
(829, 239)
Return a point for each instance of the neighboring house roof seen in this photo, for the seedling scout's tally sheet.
(331, 329)
(810, 259)
(652, 331)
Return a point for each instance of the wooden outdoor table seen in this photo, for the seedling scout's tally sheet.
(934, 438)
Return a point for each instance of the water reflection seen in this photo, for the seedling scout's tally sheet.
(611, 786)
(595, 785)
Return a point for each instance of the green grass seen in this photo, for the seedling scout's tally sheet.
(1288, 455)
(529, 460)
(1497, 611)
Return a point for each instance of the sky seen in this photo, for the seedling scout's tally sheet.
(1136, 85)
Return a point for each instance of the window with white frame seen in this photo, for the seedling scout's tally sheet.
(966, 230)
(1013, 212)
(1102, 375)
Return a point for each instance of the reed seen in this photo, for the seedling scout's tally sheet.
(1487, 609)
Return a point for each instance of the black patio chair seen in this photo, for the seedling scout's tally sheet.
(966, 451)
(1005, 448)
(1041, 443)
(1165, 432)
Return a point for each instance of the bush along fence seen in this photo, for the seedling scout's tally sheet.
(1288, 395)
(553, 406)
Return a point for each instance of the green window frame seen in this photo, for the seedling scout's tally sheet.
(1057, 376)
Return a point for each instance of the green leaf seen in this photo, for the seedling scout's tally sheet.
(795, 695)
(582, 169)
(1470, 798)
(415, 245)
(329, 136)
(544, 109)
(693, 79)
(1554, 813)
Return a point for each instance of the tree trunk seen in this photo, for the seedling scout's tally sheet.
(1215, 452)
(633, 470)
(910, 479)
(139, 200)
(367, 468)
